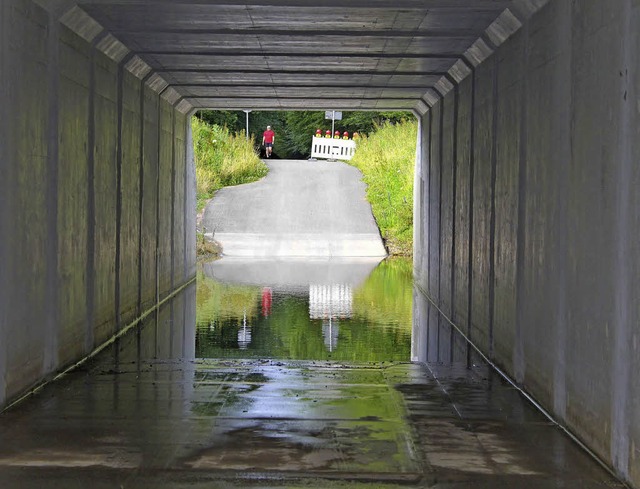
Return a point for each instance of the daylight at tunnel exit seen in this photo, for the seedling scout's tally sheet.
(343, 244)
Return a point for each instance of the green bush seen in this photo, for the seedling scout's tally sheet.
(222, 159)
(386, 159)
(294, 129)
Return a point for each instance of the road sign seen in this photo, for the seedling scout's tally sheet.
(333, 115)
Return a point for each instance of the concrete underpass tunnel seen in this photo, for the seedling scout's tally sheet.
(526, 209)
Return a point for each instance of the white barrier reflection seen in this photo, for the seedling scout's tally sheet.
(330, 301)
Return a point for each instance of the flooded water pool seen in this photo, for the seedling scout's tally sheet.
(343, 310)
(292, 374)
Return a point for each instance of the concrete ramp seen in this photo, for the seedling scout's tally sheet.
(300, 209)
(291, 274)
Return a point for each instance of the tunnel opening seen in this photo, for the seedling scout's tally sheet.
(381, 145)
(317, 293)
(525, 201)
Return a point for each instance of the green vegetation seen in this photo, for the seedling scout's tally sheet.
(214, 300)
(301, 126)
(379, 328)
(386, 159)
(222, 159)
(386, 297)
(294, 129)
(206, 248)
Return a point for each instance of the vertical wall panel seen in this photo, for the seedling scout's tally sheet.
(60, 201)
(6, 209)
(591, 211)
(179, 199)
(24, 266)
(72, 193)
(554, 218)
(506, 199)
(434, 204)
(421, 206)
(130, 192)
(463, 204)
(149, 198)
(447, 223)
(548, 136)
(633, 94)
(190, 208)
(481, 204)
(104, 184)
(447, 203)
(165, 194)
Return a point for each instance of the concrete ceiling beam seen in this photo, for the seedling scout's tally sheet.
(361, 54)
(341, 4)
(293, 71)
(266, 54)
(431, 33)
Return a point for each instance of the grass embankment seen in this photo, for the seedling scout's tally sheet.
(222, 159)
(386, 159)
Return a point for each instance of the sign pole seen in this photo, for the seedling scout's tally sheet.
(246, 111)
(333, 122)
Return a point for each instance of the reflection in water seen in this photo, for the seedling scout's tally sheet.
(267, 299)
(244, 334)
(330, 330)
(355, 310)
(330, 301)
(434, 340)
(146, 412)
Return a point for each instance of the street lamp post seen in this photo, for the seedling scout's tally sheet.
(246, 111)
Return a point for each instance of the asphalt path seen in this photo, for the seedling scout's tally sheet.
(301, 208)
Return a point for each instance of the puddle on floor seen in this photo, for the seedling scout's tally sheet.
(345, 310)
(250, 400)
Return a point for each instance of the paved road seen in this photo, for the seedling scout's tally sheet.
(302, 208)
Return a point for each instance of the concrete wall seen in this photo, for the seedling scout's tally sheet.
(96, 191)
(527, 228)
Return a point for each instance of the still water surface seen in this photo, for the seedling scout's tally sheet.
(147, 412)
(357, 311)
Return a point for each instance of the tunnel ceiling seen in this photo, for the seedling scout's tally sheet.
(299, 54)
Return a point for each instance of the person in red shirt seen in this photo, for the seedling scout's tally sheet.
(268, 138)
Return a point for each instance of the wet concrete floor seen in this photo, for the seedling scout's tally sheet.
(147, 413)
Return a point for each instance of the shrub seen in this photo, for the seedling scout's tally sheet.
(222, 159)
(386, 159)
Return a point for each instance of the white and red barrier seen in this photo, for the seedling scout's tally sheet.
(329, 148)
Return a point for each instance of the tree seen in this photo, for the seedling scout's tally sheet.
(301, 126)
(294, 129)
(223, 118)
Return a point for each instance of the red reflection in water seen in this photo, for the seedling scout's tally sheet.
(267, 298)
